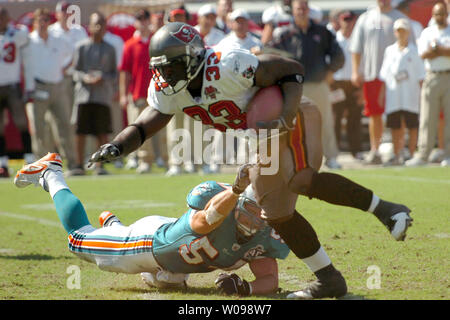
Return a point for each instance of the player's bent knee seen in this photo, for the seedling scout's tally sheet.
(301, 181)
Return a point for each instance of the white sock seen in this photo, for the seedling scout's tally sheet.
(318, 260)
(55, 181)
(374, 203)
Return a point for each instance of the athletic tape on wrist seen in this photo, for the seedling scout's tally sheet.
(212, 216)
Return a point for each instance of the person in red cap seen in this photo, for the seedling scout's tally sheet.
(179, 15)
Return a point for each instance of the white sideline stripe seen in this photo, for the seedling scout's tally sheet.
(31, 218)
(414, 179)
(107, 205)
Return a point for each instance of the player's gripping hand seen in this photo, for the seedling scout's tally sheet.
(242, 179)
(105, 153)
(279, 123)
(232, 284)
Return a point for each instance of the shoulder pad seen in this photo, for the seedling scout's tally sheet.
(199, 196)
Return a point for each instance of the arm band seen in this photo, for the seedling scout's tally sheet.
(141, 132)
(212, 216)
(299, 78)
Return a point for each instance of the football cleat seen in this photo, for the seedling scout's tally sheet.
(395, 217)
(333, 286)
(32, 173)
(107, 219)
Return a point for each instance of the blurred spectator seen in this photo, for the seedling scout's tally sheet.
(317, 50)
(433, 21)
(276, 16)
(333, 24)
(45, 66)
(206, 21)
(416, 26)
(315, 13)
(116, 111)
(402, 72)
(73, 34)
(240, 35)
(12, 43)
(156, 21)
(135, 76)
(438, 154)
(95, 71)
(224, 7)
(373, 32)
(434, 48)
(179, 15)
(211, 36)
(345, 94)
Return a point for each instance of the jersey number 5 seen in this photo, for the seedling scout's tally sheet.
(191, 254)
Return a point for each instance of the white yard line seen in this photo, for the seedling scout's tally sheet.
(31, 218)
(414, 179)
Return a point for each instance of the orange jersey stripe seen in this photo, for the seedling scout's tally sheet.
(296, 143)
(109, 245)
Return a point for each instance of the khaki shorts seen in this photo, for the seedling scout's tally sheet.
(272, 191)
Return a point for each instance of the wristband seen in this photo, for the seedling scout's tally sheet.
(118, 145)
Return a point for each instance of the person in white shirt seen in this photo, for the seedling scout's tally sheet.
(345, 94)
(13, 40)
(372, 34)
(416, 26)
(240, 35)
(276, 16)
(206, 21)
(224, 8)
(45, 67)
(66, 28)
(207, 15)
(434, 48)
(402, 73)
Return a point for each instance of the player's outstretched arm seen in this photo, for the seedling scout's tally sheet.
(288, 74)
(149, 122)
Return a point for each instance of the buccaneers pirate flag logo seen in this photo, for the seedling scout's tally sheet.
(186, 34)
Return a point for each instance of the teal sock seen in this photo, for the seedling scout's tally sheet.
(70, 210)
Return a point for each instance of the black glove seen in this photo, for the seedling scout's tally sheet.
(279, 123)
(106, 153)
(232, 284)
(242, 179)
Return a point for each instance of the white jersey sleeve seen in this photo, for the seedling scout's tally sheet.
(238, 66)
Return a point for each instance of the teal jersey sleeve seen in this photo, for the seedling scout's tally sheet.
(199, 196)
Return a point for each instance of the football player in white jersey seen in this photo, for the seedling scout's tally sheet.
(187, 72)
(12, 41)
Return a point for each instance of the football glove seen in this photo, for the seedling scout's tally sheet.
(232, 284)
(279, 123)
(105, 153)
(242, 179)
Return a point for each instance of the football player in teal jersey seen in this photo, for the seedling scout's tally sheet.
(222, 229)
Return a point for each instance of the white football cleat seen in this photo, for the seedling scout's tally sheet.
(32, 173)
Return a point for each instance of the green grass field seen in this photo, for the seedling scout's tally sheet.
(36, 264)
